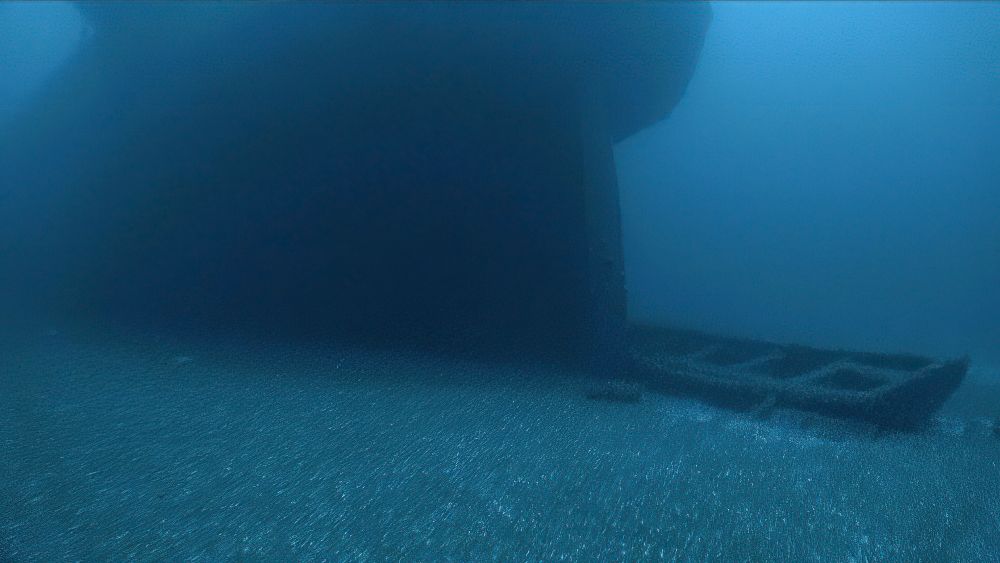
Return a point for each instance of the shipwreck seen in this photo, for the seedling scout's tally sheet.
(436, 173)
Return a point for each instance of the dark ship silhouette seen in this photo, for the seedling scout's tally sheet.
(283, 166)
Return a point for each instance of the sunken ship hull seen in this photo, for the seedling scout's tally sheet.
(286, 168)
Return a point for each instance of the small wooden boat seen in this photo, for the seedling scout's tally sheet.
(896, 391)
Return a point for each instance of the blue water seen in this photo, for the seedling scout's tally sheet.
(307, 281)
(830, 176)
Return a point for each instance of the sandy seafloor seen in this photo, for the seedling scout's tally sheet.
(148, 447)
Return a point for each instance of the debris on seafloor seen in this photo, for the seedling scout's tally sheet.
(892, 391)
(616, 391)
